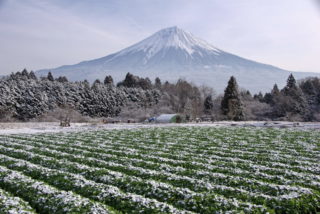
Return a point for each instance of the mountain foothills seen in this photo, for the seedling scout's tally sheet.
(173, 53)
(24, 96)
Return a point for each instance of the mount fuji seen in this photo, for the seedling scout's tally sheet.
(173, 53)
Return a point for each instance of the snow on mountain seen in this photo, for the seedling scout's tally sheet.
(170, 38)
(173, 53)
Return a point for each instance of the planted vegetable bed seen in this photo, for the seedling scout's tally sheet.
(161, 170)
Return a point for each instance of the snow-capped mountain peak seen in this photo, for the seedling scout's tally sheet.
(172, 37)
(173, 53)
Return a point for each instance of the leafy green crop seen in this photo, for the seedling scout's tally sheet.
(162, 170)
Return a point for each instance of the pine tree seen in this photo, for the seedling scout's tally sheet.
(144, 83)
(32, 76)
(23, 99)
(50, 77)
(273, 97)
(308, 88)
(130, 81)
(268, 98)
(311, 88)
(108, 80)
(86, 84)
(258, 97)
(231, 104)
(96, 82)
(275, 90)
(291, 82)
(208, 105)
(157, 83)
(25, 73)
(62, 79)
(293, 100)
(292, 89)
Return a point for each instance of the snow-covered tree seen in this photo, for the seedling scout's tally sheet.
(26, 97)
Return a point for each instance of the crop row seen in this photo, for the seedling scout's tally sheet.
(174, 170)
(12, 204)
(45, 198)
(180, 197)
(198, 170)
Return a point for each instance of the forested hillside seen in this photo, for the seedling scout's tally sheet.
(24, 96)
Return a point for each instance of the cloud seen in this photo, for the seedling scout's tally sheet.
(38, 35)
(49, 33)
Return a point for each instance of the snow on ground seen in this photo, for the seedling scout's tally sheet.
(42, 127)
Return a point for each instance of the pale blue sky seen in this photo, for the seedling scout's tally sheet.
(48, 33)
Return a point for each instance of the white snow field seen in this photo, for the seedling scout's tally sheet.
(42, 127)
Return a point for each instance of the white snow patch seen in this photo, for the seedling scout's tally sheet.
(33, 128)
(172, 37)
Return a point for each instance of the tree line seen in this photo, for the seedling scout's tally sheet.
(295, 102)
(24, 96)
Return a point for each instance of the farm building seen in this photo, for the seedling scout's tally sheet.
(168, 118)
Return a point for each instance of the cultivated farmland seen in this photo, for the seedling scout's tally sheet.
(161, 170)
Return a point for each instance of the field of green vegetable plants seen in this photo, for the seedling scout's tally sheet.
(161, 170)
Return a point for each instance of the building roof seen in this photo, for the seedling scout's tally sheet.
(165, 117)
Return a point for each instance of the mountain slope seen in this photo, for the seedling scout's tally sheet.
(172, 53)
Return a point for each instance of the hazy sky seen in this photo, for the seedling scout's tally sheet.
(48, 33)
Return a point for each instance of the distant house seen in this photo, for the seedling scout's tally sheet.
(168, 118)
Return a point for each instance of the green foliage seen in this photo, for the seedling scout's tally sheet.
(132, 81)
(165, 170)
(208, 104)
(231, 104)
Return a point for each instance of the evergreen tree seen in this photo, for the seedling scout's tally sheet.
(258, 97)
(50, 77)
(86, 84)
(25, 73)
(275, 90)
(96, 82)
(62, 79)
(108, 80)
(208, 105)
(129, 81)
(308, 88)
(273, 97)
(292, 89)
(293, 101)
(145, 83)
(132, 81)
(311, 89)
(291, 82)
(26, 98)
(268, 98)
(231, 104)
(32, 76)
(157, 83)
